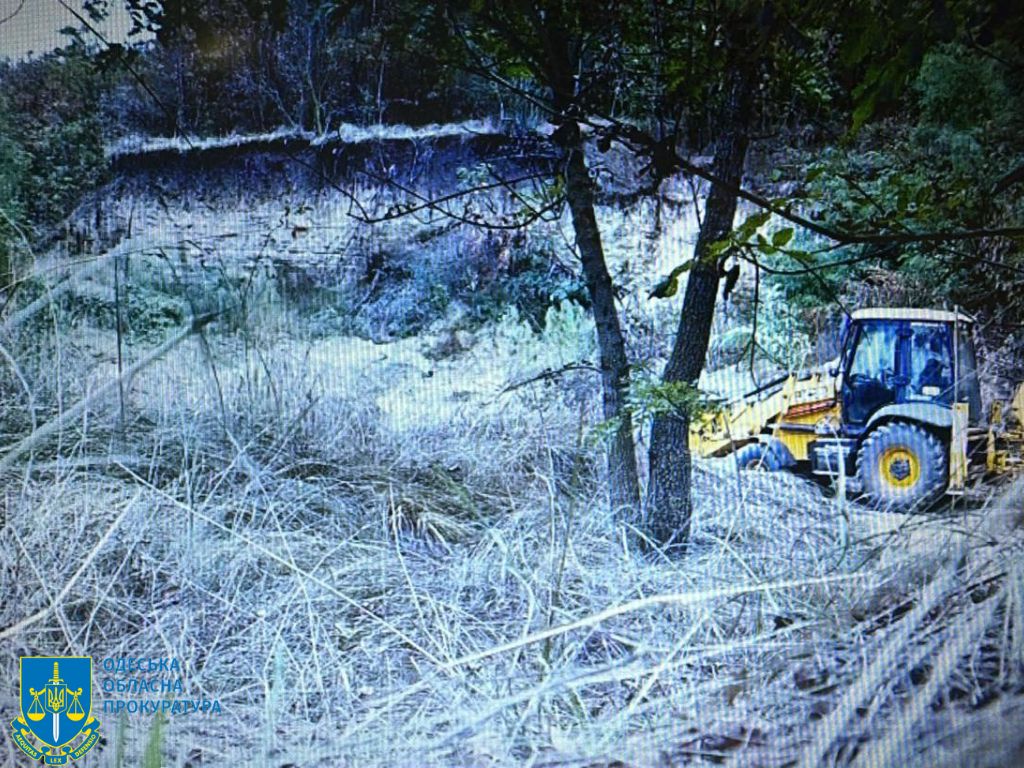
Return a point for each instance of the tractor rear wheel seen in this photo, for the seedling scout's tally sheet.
(902, 466)
(758, 457)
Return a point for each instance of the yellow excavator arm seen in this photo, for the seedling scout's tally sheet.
(787, 409)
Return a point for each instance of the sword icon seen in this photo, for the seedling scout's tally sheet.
(55, 701)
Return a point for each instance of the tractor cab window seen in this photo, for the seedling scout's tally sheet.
(869, 382)
(875, 356)
(931, 363)
(968, 385)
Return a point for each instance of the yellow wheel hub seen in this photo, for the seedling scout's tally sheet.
(900, 467)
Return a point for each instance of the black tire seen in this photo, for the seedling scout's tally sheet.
(758, 457)
(902, 466)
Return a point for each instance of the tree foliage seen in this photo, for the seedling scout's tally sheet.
(946, 162)
(51, 143)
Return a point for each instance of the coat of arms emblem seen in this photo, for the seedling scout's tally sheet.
(56, 708)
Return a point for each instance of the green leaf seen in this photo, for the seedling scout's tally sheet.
(863, 112)
(814, 173)
(764, 246)
(666, 289)
(758, 219)
(719, 247)
(781, 238)
(750, 225)
(669, 286)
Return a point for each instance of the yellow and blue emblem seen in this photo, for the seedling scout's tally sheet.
(56, 708)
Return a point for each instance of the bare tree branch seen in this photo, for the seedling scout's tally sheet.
(436, 204)
(13, 13)
(837, 235)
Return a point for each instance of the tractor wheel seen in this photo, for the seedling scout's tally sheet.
(902, 466)
(757, 456)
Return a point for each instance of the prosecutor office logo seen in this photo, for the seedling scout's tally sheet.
(56, 709)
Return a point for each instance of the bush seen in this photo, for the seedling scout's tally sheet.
(146, 315)
(533, 284)
(51, 141)
(963, 90)
(567, 337)
(13, 167)
(414, 284)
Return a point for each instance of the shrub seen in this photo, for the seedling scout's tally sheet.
(534, 283)
(53, 108)
(963, 90)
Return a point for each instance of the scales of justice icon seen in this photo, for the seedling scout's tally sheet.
(59, 698)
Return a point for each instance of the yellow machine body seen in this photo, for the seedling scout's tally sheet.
(1005, 440)
(799, 416)
(802, 403)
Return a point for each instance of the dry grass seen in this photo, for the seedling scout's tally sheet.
(355, 593)
(374, 556)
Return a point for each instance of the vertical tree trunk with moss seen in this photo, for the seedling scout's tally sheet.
(6, 276)
(623, 484)
(669, 503)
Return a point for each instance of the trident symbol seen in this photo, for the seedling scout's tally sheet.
(56, 702)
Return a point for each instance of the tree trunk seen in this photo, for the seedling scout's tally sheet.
(623, 484)
(669, 503)
(6, 273)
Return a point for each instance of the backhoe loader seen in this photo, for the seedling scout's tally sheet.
(899, 411)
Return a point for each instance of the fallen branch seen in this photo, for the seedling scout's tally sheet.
(677, 599)
(30, 309)
(37, 304)
(963, 636)
(550, 373)
(673, 599)
(52, 427)
(64, 464)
